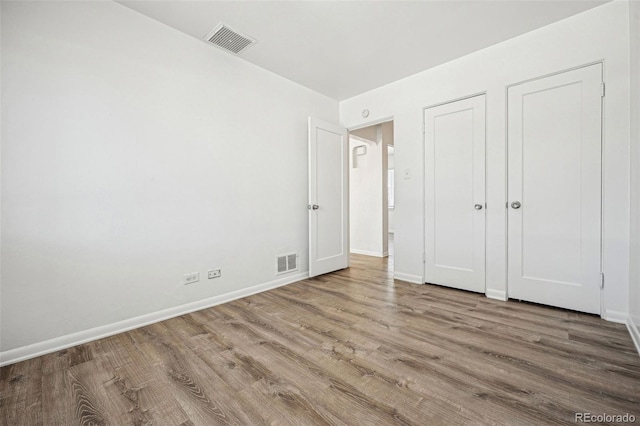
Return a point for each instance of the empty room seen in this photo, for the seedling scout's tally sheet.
(319, 212)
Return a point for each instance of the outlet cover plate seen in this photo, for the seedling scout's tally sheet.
(191, 278)
(214, 273)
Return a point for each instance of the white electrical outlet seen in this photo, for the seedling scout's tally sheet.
(191, 278)
(215, 273)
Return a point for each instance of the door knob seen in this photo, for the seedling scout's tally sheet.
(314, 207)
(515, 205)
(478, 206)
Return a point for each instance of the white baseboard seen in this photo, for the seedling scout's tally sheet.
(369, 253)
(415, 279)
(42, 348)
(615, 316)
(634, 331)
(496, 294)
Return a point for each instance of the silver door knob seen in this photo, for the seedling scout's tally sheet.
(314, 207)
(478, 206)
(515, 205)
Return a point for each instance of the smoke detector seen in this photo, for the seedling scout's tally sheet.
(229, 39)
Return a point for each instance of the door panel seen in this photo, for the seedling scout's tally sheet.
(554, 137)
(328, 193)
(454, 185)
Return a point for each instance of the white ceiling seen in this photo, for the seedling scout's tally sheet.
(343, 48)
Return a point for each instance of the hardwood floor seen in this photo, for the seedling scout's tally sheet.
(352, 347)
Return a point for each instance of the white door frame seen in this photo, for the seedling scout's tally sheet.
(371, 123)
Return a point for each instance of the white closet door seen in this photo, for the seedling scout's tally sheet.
(554, 219)
(455, 194)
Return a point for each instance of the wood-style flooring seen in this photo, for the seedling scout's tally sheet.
(348, 348)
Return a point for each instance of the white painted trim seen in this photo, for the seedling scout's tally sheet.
(415, 279)
(634, 331)
(496, 294)
(615, 316)
(369, 253)
(370, 123)
(41, 348)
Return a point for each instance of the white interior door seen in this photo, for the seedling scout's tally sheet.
(455, 194)
(328, 197)
(554, 219)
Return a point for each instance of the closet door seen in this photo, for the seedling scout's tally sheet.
(455, 194)
(554, 190)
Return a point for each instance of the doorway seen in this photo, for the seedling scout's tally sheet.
(369, 190)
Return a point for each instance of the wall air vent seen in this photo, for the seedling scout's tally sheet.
(286, 263)
(229, 39)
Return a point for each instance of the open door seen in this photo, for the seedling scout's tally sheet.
(328, 197)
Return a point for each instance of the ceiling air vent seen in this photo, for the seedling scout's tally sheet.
(229, 39)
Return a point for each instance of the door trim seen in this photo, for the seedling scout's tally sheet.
(551, 74)
(452, 101)
(370, 123)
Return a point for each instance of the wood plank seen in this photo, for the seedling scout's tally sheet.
(21, 393)
(148, 399)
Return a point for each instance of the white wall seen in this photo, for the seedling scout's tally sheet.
(634, 282)
(131, 155)
(365, 197)
(369, 133)
(598, 34)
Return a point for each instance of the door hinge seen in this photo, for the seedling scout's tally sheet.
(602, 92)
(424, 257)
(601, 279)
